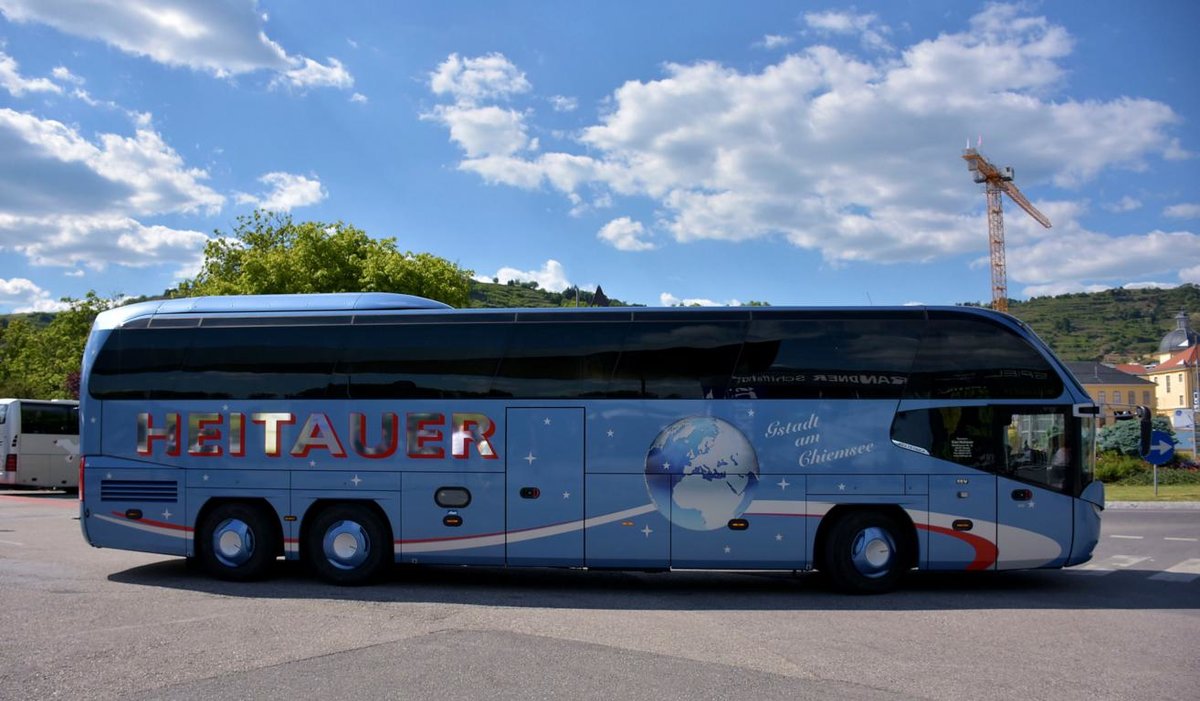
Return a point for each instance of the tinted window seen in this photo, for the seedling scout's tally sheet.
(219, 363)
(49, 419)
(3, 413)
(563, 360)
(263, 363)
(139, 363)
(678, 359)
(975, 358)
(964, 435)
(423, 361)
(827, 357)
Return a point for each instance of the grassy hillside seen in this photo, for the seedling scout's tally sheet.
(1111, 326)
(524, 295)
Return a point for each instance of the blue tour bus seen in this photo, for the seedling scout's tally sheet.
(351, 431)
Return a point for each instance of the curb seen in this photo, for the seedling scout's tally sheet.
(1154, 505)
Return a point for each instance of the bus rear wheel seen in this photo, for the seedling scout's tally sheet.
(347, 544)
(864, 553)
(237, 542)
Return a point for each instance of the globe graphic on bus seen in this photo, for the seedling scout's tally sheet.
(713, 472)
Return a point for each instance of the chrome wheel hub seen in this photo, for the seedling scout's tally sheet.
(872, 552)
(233, 542)
(346, 545)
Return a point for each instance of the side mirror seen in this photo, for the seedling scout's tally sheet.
(1144, 424)
(1143, 415)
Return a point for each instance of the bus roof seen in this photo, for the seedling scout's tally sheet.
(374, 303)
(242, 304)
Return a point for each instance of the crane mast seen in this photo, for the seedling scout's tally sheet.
(997, 181)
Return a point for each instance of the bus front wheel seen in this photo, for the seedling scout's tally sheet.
(237, 542)
(864, 553)
(347, 544)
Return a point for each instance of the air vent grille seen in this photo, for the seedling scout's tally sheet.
(139, 490)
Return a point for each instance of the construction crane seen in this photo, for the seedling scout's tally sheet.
(998, 180)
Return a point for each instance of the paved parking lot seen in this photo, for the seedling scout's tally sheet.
(86, 623)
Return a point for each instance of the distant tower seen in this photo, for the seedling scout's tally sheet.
(1181, 338)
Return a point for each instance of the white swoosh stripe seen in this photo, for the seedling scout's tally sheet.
(484, 541)
(157, 530)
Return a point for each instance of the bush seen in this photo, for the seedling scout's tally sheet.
(1166, 476)
(1113, 467)
(1124, 436)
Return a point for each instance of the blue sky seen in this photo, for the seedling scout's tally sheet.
(795, 153)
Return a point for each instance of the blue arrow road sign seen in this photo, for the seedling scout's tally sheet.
(1162, 448)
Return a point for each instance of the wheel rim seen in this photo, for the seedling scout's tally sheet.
(346, 545)
(233, 542)
(873, 552)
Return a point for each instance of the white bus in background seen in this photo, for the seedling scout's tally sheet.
(39, 443)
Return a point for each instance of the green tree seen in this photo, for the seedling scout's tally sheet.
(39, 363)
(272, 254)
(1123, 436)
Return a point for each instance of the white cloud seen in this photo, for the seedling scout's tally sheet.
(774, 41)
(867, 26)
(69, 201)
(47, 159)
(1191, 275)
(288, 191)
(1125, 204)
(358, 98)
(25, 296)
(624, 234)
(562, 103)
(1189, 210)
(64, 74)
(853, 157)
(99, 241)
(1075, 259)
(222, 38)
(551, 277)
(667, 299)
(1061, 288)
(18, 85)
(471, 79)
(483, 131)
(308, 73)
(1151, 286)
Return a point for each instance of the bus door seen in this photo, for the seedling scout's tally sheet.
(1034, 511)
(545, 499)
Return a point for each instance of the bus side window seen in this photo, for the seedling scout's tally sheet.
(1040, 449)
(1027, 443)
(563, 360)
(963, 435)
(817, 356)
(679, 360)
(979, 359)
(422, 361)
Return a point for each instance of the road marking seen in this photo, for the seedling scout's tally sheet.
(1183, 540)
(1185, 571)
(12, 542)
(1127, 537)
(1108, 565)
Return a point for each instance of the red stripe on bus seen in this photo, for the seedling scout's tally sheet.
(985, 550)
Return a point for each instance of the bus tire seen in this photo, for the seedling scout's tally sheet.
(347, 544)
(864, 553)
(237, 542)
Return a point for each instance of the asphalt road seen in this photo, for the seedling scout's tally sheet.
(85, 623)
